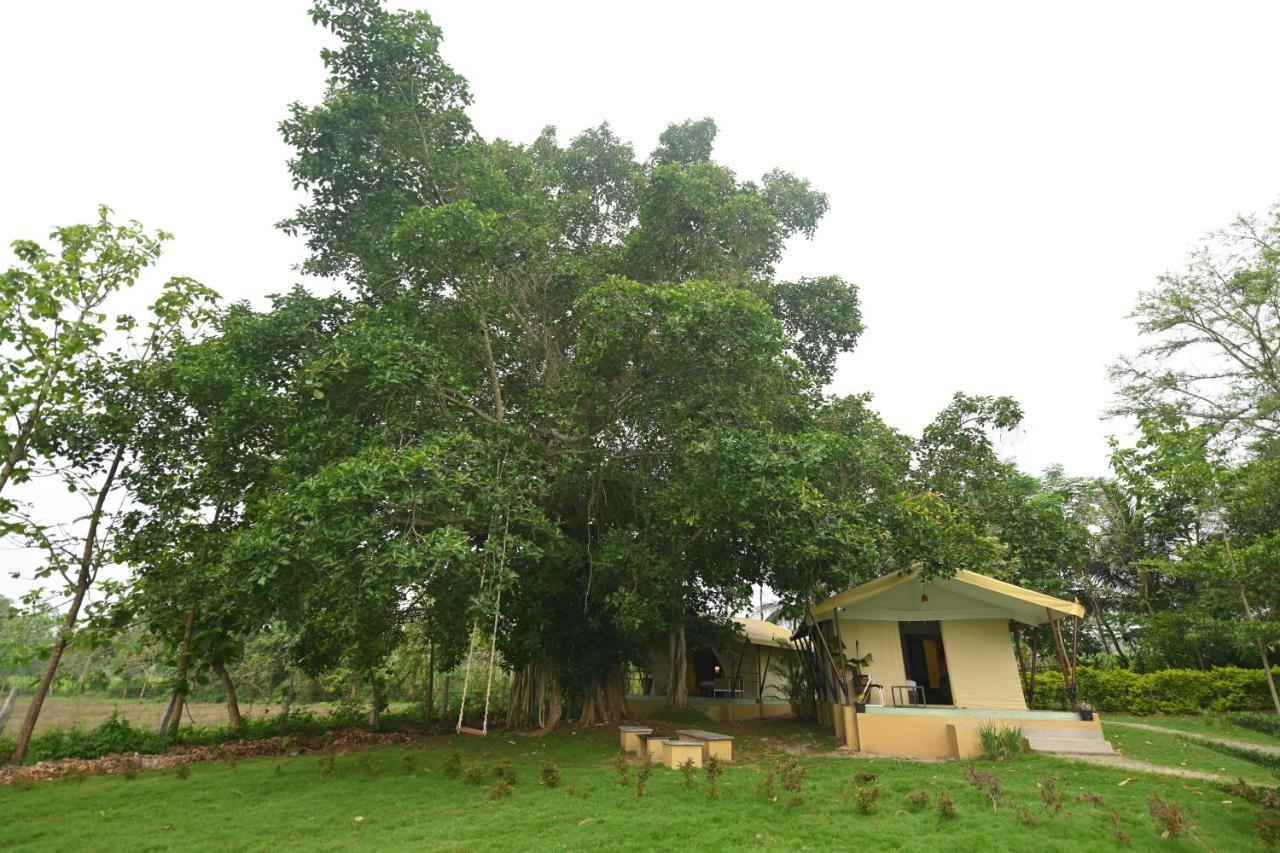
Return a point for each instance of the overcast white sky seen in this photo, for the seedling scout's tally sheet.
(1004, 177)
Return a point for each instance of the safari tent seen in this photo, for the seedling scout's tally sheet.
(741, 677)
(937, 660)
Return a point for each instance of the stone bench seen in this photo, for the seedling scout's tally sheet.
(629, 735)
(677, 752)
(714, 744)
(649, 745)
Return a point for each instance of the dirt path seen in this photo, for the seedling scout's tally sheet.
(1121, 763)
(1240, 744)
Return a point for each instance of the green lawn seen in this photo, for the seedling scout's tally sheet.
(290, 804)
(1171, 751)
(1203, 724)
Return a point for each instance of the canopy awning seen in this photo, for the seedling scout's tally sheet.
(903, 597)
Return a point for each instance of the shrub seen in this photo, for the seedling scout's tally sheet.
(791, 774)
(1168, 815)
(453, 765)
(622, 764)
(917, 800)
(713, 769)
(410, 763)
(129, 767)
(1166, 691)
(690, 773)
(501, 788)
(987, 782)
(550, 773)
(946, 805)
(1050, 796)
(868, 797)
(862, 777)
(1266, 818)
(366, 764)
(474, 774)
(328, 761)
(642, 778)
(999, 742)
(504, 772)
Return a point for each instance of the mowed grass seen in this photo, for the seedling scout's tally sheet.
(1172, 751)
(1210, 725)
(290, 804)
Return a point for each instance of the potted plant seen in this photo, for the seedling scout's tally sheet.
(1086, 711)
(862, 683)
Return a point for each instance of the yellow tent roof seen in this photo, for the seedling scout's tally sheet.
(965, 595)
(763, 633)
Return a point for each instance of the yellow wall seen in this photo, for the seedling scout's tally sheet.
(939, 736)
(984, 672)
(881, 639)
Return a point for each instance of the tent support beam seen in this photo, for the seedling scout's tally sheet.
(1068, 682)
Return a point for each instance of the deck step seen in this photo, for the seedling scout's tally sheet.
(1068, 741)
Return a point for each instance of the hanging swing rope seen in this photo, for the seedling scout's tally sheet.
(483, 731)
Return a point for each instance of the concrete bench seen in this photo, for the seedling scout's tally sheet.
(650, 745)
(677, 752)
(714, 744)
(629, 735)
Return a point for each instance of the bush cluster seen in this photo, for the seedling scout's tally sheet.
(1165, 691)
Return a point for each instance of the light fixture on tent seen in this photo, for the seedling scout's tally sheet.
(924, 596)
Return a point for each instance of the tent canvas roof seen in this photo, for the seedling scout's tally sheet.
(763, 633)
(966, 595)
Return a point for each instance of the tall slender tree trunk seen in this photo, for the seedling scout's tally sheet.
(84, 578)
(444, 698)
(233, 703)
(375, 712)
(7, 711)
(429, 697)
(173, 715)
(1262, 652)
(287, 706)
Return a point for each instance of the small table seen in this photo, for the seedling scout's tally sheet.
(714, 744)
(913, 693)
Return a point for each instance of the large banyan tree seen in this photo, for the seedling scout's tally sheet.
(560, 375)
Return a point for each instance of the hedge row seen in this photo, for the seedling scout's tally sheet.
(1166, 691)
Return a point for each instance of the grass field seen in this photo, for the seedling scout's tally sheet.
(1172, 751)
(291, 804)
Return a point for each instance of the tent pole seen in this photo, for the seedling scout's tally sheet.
(844, 673)
(1061, 649)
(1075, 653)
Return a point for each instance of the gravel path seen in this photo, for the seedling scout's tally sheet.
(1241, 744)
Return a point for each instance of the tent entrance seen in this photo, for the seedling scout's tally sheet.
(925, 661)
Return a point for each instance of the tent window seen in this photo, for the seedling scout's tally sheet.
(925, 661)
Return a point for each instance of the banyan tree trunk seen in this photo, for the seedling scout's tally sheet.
(678, 666)
(537, 700)
(606, 701)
